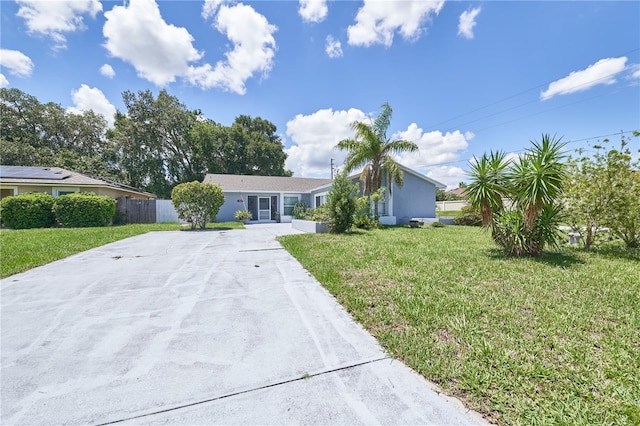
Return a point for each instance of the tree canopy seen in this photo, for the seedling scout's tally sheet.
(156, 143)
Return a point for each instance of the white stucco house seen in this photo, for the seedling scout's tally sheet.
(263, 196)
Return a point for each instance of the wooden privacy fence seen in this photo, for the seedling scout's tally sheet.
(134, 210)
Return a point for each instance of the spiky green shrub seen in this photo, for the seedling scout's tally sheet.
(533, 184)
(82, 209)
(27, 211)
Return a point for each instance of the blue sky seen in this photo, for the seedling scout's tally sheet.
(461, 77)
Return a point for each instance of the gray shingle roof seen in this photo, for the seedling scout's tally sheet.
(265, 183)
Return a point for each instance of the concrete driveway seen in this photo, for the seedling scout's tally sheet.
(213, 327)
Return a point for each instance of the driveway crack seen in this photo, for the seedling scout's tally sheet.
(306, 376)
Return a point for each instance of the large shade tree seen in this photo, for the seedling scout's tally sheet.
(371, 149)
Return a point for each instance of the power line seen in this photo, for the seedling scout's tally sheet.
(523, 92)
(620, 133)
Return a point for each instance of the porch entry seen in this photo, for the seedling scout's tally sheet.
(262, 208)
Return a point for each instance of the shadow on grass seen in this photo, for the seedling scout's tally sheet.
(557, 259)
(617, 250)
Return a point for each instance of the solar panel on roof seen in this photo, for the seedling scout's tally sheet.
(30, 172)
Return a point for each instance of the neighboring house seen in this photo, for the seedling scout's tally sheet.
(55, 181)
(458, 192)
(265, 195)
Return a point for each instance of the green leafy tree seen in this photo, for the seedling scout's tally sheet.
(197, 203)
(250, 146)
(533, 184)
(37, 134)
(342, 203)
(604, 192)
(372, 149)
(154, 142)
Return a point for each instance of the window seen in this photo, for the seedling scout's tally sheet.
(321, 199)
(64, 191)
(289, 203)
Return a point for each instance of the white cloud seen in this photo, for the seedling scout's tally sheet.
(3, 81)
(91, 98)
(54, 18)
(315, 137)
(635, 71)
(253, 50)
(602, 72)
(467, 22)
(313, 10)
(107, 71)
(377, 21)
(333, 47)
(160, 52)
(210, 7)
(434, 147)
(449, 175)
(136, 33)
(16, 62)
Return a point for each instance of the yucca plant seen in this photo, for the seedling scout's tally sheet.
(488, 185)
(537, 178)
(533, 183)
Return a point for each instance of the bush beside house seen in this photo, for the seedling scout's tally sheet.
(342, 204)
(41, 210)
(197, 203)
(27, 211)
(84, 210)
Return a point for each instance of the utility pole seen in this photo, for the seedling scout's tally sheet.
(332, 168)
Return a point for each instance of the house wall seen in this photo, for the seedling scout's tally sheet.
(306, 199)
(312, 197)
(53, 190)
(234, 201)
(231, 206)
(416, 198)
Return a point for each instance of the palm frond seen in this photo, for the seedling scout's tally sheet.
(398, 146)
(394, 173)
(382, 122)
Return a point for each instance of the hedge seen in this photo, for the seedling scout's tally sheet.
(83, 210)
(24, 211)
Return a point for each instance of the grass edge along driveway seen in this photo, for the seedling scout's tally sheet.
(23, 249)
(554, 340)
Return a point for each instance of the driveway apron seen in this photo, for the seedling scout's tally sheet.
(204, 327)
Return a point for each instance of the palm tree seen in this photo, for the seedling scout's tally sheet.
(372, 149)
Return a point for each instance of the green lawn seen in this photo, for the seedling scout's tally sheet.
(554, 340)
(24, 249)
(449, 213)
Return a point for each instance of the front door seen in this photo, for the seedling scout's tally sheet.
(264, 208)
